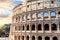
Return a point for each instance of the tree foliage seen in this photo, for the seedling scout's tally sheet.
(5, 29)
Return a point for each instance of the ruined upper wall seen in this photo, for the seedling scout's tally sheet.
(36, 5)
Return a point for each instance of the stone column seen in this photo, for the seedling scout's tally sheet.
(30, 27)
(43, 38)
(25, 37)
(50, 37)
(31, 16)
(30, 38)
(42, 22)
(58, 27)
(49, 15)
(36, 16)
(17, 37)
(20, 37)
(50, 27)
(36, 37)
(36, 28)
(57, 15)
(42, 26)
(42, 15)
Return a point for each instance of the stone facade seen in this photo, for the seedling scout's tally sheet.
(36, 20)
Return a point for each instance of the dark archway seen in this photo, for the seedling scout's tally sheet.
(27, 37)
(18, 37)
(39, 27)
(39, 38)
(59, 13)
(23, 28)
(33, 27)
(22, 37)
(15, 37)
(47, 38)
(46, 27)
(55, 38)
(33, 37)
(53, 27)
(27, 27)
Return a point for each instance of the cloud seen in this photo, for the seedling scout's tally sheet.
(6, 11)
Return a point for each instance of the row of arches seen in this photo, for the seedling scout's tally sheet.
(38, 38)
(39, 15)
(46, 27)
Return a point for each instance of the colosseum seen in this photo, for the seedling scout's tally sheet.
(36, 20)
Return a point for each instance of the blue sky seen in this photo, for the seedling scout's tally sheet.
(17, 2)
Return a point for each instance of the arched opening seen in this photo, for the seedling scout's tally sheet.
(22, 37)
(15, 28)
(33, 16)
(55, 38)
(39, 15)
(27, 37)
(39, 38)
(23, 28)
(46, 14)
(46, 27)
(33, 27)
(59, 13)
(39, 27)
(53, 27)
(15, 37)
(25, 17)
(47, 38)
(28, 16)
(53, 14)
(18, 37)
(59, 25)
(19, 28)
(27, 27)
(16, 19)
(33, 37)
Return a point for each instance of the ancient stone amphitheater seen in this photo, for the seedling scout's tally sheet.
(36, 20)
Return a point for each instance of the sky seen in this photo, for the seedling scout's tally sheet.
(6, 10)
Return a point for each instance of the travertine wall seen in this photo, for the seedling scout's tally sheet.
(27, 14)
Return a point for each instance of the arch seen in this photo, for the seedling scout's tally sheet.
(59, 25)
(19, 28)
(27, 37)
(39, 15)
(28, 16)
(33, 37)
(15, 37)
(22, 37)
(46, 27)
(25, 17)
(27, 27)
(33, 15)
(23, 28)
(59, 13)
(45, 14)
(16, 19)
(33, 27)
(53, 27)
(39, 27)
(39, 38)
(15, 28)
(47, 38)
(18, 37)
(53, 14)
(55, 38)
